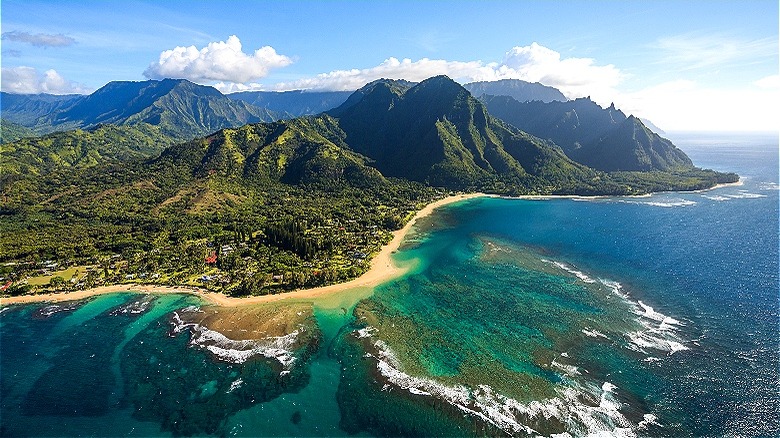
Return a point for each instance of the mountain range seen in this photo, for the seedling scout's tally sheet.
(521, 91)
(185, 110)
(601, 138)
(433, 132)
(123, 184)
(296, 103)
(436, 132)
(181, 109)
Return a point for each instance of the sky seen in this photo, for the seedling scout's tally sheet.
(697, 65)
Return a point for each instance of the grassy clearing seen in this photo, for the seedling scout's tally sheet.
(43, 280)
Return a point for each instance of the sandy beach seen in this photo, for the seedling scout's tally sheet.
(382, 269)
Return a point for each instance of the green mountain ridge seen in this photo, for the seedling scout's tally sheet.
(601, 138)
(101, 145)
(10, 131)
(33, 110)
(182, 109)
(299, 203)
(296, 103)
(307, 150)
(436, 132)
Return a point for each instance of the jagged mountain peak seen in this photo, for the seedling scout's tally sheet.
(181, 108)
(436, 132)
(601, 138)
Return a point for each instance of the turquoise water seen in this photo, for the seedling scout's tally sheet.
(651, 316)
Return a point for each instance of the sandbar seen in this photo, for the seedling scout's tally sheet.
(382, 270)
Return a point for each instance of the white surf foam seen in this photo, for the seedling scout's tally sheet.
(233, 351)
(579, 274)
(593, 333)
(366, 332)
(668, 203)
(744, 194)
(615, 287)
(647, 420)
(235, 385)
(584, 411)
(659, 330)
(567, 369)
(718, 198)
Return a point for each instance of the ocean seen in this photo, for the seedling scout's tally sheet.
(636, 316)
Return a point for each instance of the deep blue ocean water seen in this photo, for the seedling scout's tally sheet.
(631, 316)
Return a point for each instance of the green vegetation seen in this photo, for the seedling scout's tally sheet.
(82, 148)
(181, 109)
(10, 131)
(138, 223)
(601, 138)
(269, 207)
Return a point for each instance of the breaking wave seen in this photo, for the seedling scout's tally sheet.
(239, 351)
(669, 203)
(582, 410)
(659, 331)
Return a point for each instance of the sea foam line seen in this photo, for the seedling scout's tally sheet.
(658, 330)
(670, 203)
(239, 351)
(601, 416)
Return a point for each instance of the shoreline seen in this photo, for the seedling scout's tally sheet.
(737, 183)
(382, 269)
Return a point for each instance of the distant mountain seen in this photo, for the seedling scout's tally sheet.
(521, 91)
(33, 110)
(293, 103)
(433, 132)
(436, 132)
(82, 148)
(652, 126)
(180, 108)
(601, 138)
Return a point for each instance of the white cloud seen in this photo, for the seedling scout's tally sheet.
(769, 82)
(28, 80)
(693, 51)
(686, 105)
(218, 61)
(575, 77)
(392, 68)
(39, 39)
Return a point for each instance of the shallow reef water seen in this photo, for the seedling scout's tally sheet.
(651, 316)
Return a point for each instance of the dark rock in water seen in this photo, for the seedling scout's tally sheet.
(48, 311)
(296, 417)
(212, 391)
(135, 307)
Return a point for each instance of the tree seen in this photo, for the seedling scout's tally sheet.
(56, 281)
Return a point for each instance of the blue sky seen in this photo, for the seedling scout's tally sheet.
(686, 65)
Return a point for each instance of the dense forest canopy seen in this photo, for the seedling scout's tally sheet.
(257, 208)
